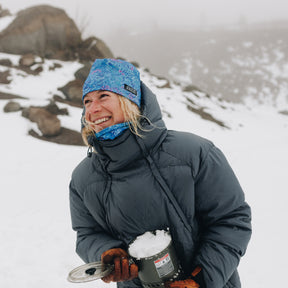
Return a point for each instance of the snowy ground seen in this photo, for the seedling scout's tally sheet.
(37, 242)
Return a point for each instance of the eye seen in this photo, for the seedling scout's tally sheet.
(86, 101)
(103, 95)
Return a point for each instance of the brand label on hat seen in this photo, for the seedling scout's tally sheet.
(130, 89)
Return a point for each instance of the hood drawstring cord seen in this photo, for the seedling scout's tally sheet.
(89, 152)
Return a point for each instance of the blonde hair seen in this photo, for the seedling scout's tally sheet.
(131, 114)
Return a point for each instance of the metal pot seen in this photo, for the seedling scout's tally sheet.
(155, 270)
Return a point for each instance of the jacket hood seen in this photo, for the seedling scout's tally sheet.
(126, 148)
(149, 106)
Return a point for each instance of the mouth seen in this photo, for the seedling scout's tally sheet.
(101, 120)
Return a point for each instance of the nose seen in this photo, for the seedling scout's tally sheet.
(94, 106)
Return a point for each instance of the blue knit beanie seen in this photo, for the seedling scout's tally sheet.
(114, 75)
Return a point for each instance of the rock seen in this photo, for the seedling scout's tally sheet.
(12, 106)
(28, 70)
(203, 114)
(165, 85)
(41, 30)
(66, 137)
(37, 70)
(60, 99)
(48, 123)
(5, 96)
(83, 72)
(54, 109)
(191, 88)
(284, 112)
(55, 66)
(27, 60)
(4, 12)
(93, 48)
(73, 90)
(136, 64)
(48, 32)
(6, 62)
(50, 126)
(4, 77)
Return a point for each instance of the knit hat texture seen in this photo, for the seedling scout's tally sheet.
(114, 75)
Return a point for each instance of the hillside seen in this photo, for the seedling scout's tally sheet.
(34, 211)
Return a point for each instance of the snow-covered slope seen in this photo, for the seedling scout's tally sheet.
(37, 243)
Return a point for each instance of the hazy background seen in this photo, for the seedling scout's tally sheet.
(102, 17)
(233, 49)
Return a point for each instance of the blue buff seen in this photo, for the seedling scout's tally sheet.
(111, 132)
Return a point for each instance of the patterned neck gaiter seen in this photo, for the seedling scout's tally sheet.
(111, 132)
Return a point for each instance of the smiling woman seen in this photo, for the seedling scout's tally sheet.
(156, 179)
(111, 98)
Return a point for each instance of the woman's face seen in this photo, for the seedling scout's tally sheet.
(102, 109)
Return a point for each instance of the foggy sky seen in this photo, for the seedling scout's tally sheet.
(98, 18)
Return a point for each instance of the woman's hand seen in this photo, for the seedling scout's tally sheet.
(123, 271)
(188, 283)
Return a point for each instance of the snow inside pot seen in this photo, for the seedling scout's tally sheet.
(156, 258)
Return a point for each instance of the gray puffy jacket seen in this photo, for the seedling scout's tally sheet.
(131, 184)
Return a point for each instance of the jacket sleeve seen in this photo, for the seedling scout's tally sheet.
(225, 219)
(92, 240)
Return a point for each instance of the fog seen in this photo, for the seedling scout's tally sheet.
(100, 18)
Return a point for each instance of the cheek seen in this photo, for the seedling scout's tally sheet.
(87, 111)
(120, 116)
(87, 114)
(115, 110)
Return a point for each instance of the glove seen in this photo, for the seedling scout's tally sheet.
(188, 283)
(123, 271)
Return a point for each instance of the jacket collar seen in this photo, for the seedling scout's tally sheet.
(125, 149)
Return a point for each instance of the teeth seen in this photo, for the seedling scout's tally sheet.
(101, 120)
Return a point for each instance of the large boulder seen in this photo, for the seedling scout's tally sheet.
(42, 30)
